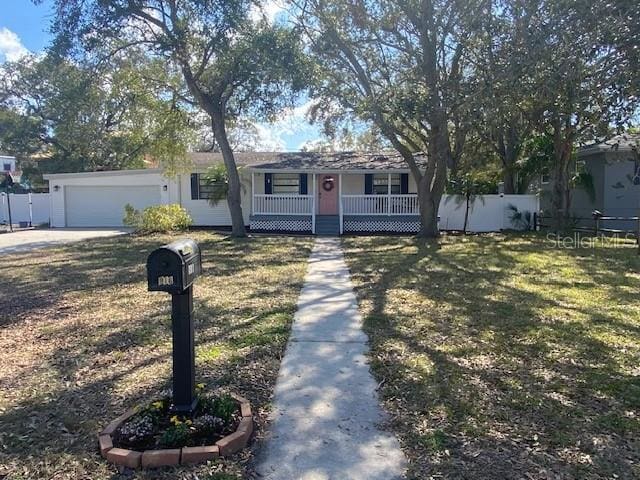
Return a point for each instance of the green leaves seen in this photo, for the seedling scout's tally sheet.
(84, 118)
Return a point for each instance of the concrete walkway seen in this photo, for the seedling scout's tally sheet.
(326, 418)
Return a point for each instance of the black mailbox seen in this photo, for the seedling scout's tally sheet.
(173, 267)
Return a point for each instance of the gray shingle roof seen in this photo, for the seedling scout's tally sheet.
(625, 142)
(309, 161)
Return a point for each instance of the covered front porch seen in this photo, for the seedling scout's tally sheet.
(333, 202)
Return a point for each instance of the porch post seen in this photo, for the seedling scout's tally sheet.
(253, 193)
(313, 206)
(388, 194)
(340, 202)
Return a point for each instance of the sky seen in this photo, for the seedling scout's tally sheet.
(24, 28)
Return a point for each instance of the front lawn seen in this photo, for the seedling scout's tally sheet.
(81, 341)
(500, 357)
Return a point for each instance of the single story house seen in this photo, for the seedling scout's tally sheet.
(293, 192)
(614, 169)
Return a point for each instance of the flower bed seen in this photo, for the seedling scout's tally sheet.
(152, 436)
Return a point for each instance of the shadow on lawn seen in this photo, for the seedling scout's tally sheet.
(103, 343)
(510, 371)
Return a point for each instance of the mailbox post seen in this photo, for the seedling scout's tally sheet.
(173, 269)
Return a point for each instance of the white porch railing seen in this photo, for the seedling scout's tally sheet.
(380, 204)
(283, 204)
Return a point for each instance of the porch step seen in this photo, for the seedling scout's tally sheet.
(327, 225)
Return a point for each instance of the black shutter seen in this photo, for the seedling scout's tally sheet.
(303, 189)
(268, 184)
(195, 186)
(368, 183)
(404, 183)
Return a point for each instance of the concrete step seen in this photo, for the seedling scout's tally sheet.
(327, 225)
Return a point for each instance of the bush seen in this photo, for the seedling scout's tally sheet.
(158, 218)
(222, 407)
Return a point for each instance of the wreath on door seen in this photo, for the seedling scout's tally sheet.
(327, 184)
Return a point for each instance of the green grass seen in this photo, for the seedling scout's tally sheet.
(503, 357)
(81, 340)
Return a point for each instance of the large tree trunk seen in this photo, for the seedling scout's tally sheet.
(234, 195)
(430, 189)
(509, 180)
(215, 107)
(561, 193)
(509, 147)
(428, 212)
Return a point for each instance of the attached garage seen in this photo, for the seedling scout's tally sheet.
(97, 199)
(103, 206)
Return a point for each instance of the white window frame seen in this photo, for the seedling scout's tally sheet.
(381, 181)
(290, 183)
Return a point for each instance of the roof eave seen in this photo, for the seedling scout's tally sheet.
(105, 173)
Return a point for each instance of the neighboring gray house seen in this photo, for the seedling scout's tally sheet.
(614, 166)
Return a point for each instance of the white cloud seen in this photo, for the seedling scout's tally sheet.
(291, 122)
(11, 48)
(268, 139)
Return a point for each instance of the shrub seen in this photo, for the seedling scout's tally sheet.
(158, 218)
(132, 217)
(521, 220)
(176, 436)
(221, 407)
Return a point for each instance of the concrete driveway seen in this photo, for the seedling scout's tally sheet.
(25, 240)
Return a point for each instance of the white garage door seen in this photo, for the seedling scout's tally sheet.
(104, 206)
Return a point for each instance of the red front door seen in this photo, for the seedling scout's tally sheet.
(328, 194)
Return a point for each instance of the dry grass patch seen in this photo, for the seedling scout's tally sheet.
(501, 357)
(81, 340)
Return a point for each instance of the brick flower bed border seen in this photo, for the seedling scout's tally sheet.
(176, 456)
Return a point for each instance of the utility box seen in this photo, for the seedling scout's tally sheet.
(173, 268)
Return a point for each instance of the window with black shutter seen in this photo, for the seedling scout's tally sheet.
(203, 190)
(285, 183)
(381, 183)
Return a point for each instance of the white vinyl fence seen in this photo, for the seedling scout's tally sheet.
(20, 208)
(487, 213)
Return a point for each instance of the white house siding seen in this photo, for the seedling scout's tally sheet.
(77, 190)
(352, 184)
(258, 183)
(205, 214)
(101, 182)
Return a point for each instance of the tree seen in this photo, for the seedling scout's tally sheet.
(402, 66)
(86, 119)
(226, 58)
(470, 187)
(582, 69)
(505, 107)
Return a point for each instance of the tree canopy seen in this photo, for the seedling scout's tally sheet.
(402, 66)
(78, 118)
(233, 63)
